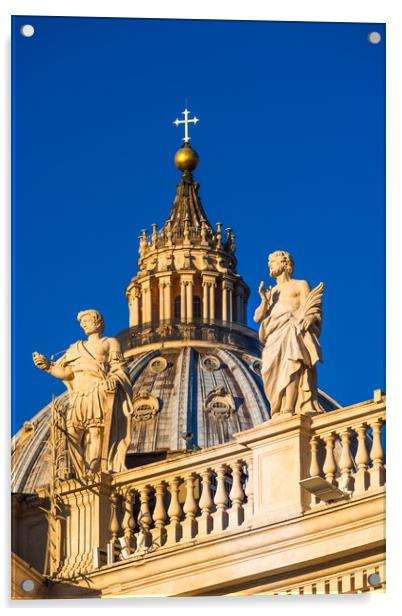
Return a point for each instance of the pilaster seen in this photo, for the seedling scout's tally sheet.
(239, 301)
(165, 301)
(205, 301)
(168, 298)
(189, 301)
(133, 297)
(227, 299)
(212, 287)
(161, 300)
(186, 292)
(209, 285)
(146, 300)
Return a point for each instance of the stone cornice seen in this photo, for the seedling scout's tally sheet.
(280, 548)
(276, 428)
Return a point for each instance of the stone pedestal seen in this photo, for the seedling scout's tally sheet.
(235, 516)
(85, 518)
(190, 529)
(281, 458)
(220, 520)
(173, 532)
(205, 524)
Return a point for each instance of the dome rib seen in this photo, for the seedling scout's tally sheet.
(140, 363)
(184, 384)
(254, 394)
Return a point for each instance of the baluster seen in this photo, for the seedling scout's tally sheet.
(249, 507)
(329, 467)
(206, 503)
(345, 462)
(114, 528)
(362, 460)
(377, 471)
(160, 515)
(128, 523)
(221, 500)
(315, 470)
(144, 520)
(236, 512)
(190, 509)
(174, 512)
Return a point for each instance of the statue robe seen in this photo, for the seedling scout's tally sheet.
(290, 354)
(96, 406)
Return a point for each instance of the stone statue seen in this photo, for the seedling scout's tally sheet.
(290, 323)
(100, 398)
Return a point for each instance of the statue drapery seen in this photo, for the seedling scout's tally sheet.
(290, 353)
(106, 406)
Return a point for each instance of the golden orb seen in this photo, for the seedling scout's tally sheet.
(186, 159)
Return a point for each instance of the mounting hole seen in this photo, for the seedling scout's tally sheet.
(374, 579)
(27, 30)
(374, 38)
(27, 585)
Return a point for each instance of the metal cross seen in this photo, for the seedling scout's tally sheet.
(186, 122)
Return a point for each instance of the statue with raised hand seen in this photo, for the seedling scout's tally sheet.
(100, 398)
(290, 316)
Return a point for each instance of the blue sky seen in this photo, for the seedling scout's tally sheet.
(291, 142)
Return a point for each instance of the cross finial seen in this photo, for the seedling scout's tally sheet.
(186, 122)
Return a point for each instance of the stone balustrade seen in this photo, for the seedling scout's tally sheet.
(155, 507)
(267, 475)
(347, 447)
(198, 495)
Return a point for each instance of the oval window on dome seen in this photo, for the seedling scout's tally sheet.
(211, 363)
(157, 365)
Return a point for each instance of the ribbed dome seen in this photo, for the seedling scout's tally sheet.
(206, 395)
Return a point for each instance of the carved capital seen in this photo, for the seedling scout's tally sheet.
(135, 293)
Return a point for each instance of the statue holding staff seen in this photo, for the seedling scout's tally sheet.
(290, 316)
(100, 398)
